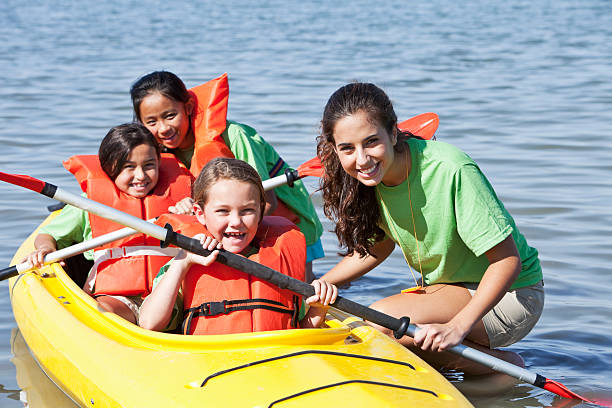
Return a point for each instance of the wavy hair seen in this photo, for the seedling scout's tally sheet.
(352, 206)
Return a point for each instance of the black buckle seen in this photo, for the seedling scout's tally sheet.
(213, 308)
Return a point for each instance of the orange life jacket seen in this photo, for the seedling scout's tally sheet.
(124, 268)
(222, 300)
(209, 121)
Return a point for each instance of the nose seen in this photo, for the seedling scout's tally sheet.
(163, 127)
(234, 219)
(139, 173)
(362, 157)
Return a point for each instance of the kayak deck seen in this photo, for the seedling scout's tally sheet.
(99, 359)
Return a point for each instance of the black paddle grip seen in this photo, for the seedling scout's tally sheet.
(8, 273)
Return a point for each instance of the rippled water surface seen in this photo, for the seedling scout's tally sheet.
(524, 87)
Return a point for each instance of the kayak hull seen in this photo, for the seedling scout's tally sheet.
(101, 360)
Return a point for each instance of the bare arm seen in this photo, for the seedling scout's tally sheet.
(156, 310)
(354, 266)
(504, 267)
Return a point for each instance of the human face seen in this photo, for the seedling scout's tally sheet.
(140, 172)
(365, 149)
(231, 213)
(168, 120)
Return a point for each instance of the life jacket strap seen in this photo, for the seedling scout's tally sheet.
(209, 309)
(123, 252)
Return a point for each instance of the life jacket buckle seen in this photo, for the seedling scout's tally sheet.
(213, 308)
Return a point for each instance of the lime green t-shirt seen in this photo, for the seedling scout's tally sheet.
(248, 146)
(457, 216)
(71, 226)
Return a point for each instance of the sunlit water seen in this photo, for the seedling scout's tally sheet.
(524, 87)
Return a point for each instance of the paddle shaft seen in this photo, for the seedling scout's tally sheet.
(72, 250)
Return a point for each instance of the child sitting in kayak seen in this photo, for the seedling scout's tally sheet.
(192, 125)
(216, 299)
(128, 174)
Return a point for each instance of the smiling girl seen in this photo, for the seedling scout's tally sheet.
(216, 299)
(480, 280)
(128, 174)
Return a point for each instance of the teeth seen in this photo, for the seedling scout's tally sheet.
(368, 170)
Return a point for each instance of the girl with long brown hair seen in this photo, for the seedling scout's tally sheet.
(480, 281)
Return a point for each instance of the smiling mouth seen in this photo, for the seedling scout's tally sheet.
(369, 171)
(234, 235)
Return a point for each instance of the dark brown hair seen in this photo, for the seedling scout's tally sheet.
(222, 168)
(351, 205)
(164, 82)
(119, 142)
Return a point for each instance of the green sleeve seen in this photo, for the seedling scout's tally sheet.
(482, 220)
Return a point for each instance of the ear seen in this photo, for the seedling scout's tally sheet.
(199, 213)
(189, 105)
(394, 136)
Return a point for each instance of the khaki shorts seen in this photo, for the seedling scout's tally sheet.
(515, 314)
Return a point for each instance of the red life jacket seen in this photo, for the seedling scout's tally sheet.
(208, 122)
(222, 300)
(123, 270)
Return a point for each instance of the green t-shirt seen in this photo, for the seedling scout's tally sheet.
(248, 146)
(457, 215)
(71, 226)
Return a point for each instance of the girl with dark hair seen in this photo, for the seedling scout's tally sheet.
(192, 124)
(480, 280)
(128, 174)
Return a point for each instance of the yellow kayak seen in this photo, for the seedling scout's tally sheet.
(100, 360)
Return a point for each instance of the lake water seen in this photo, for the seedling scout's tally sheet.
(523, 87)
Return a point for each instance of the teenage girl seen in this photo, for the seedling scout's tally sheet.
(129, 164)
(480, 280)
(229, 203)
(181, 120)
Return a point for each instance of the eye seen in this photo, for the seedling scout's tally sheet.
(150, 123)
(171, 115)
(371, 141)
(221, 211)
(248, 211)
(345, 149)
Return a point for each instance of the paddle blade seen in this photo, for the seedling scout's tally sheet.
(423, 125)
(560, 389)
(23, 181)
(312, 167)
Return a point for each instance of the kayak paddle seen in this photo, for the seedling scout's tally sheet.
(72, 250)
(400, 327)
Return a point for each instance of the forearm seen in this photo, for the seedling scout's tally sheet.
(45, 241)
(156, 309)
(504, 267)
(354, 266)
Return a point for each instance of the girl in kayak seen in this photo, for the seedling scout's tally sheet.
(125, 174)
(192, 125)
(229, 205)
(480, 280)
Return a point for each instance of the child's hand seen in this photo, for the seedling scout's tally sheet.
(325, 293)
(36, 258)
(208, 243)
(185, 206)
